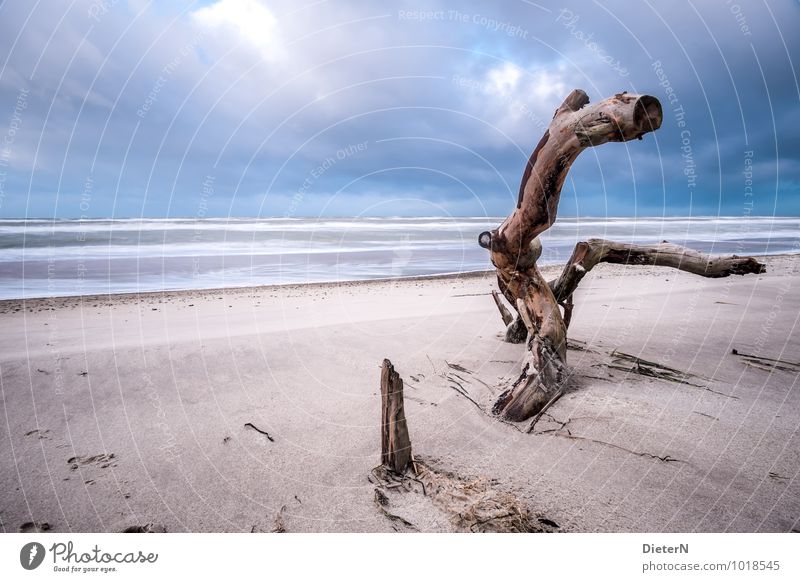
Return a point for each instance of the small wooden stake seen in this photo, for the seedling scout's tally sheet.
(395, 442)
(504, 312)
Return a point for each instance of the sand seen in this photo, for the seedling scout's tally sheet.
(125, 411)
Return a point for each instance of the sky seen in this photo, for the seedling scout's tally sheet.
(307, 108)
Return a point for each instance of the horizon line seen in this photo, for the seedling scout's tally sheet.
(351, 217)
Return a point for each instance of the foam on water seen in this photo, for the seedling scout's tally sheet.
(41, 258)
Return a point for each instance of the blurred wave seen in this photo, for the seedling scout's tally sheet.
(44, 258)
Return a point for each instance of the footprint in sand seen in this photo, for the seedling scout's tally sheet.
(146, 528)
(33, 527)
(101, 461)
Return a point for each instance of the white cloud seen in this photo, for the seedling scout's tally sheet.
(510, 81)
(503, 79)
(518, 102)
(243, 21)
(548, 87)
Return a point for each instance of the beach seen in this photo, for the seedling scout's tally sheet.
(258, 408)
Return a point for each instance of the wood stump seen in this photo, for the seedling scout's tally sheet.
(395, 442)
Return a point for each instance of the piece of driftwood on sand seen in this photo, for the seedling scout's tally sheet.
(395, 442)
(515, 247)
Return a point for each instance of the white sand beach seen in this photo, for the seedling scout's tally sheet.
(129, 410)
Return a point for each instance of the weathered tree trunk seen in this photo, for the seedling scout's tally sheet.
(395, 442)
(515, 247)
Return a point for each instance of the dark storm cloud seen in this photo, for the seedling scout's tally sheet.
(245, 108)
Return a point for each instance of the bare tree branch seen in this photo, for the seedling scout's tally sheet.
(589, 253)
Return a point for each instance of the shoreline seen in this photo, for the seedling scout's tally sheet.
(248, 288)
(552, 269)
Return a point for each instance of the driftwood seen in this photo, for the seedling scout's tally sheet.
(508, 319)
(516, 333)
(255, 428)
(515, 246)
(589, 253)
(765, 363)
(395, 442)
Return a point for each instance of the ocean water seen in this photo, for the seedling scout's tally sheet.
(45, 258)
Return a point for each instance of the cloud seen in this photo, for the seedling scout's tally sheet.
(149, 99)
(517, 103)
(245, 21)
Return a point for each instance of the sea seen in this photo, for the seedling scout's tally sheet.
(50, 258)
